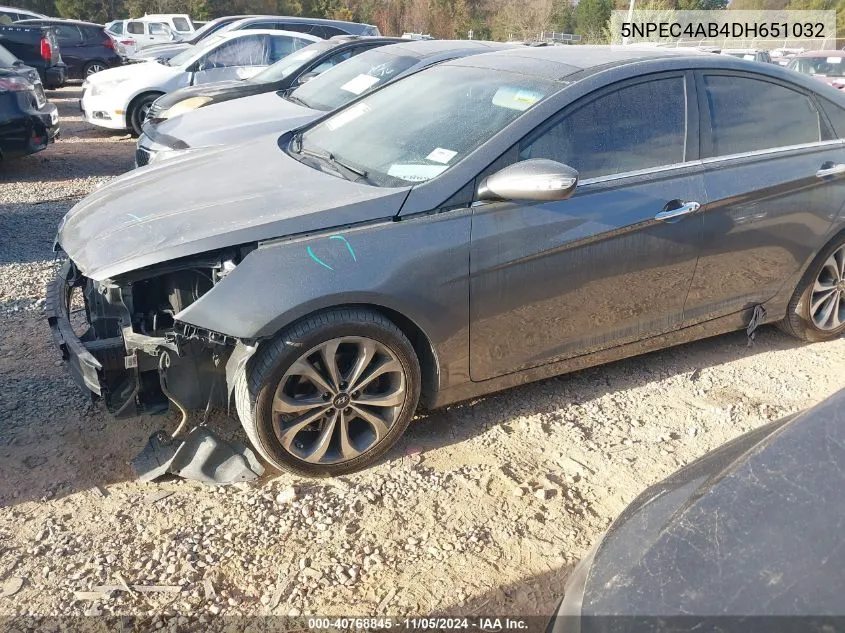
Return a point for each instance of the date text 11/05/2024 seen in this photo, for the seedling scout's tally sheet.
(488, 624)
(713, 30)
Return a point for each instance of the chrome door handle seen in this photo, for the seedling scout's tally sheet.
(833, 170)
(685, 209)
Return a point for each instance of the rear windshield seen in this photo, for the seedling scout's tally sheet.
(349, 80)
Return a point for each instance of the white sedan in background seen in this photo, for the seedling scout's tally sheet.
(119, 98)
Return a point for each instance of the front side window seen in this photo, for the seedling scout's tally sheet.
(418, 128)
(242, 51)
(363, 73)
(332, 61)
(158, 29)
(748, 115)
(635, 127)
(282, 46)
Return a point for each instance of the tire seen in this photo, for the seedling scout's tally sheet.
(826, 271)
(92, 68)
(138, 112)
(347, 335)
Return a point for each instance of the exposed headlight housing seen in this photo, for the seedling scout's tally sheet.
(182, 107)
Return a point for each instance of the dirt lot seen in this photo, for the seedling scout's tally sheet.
(482, 508)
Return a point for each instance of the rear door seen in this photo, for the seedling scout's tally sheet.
(775, 178)
(613, 263)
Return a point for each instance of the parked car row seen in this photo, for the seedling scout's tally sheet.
(394, 231)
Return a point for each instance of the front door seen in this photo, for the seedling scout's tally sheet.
(238, 58)
(613, 263)
(775, 178)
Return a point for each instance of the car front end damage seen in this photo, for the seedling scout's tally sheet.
(123, 342)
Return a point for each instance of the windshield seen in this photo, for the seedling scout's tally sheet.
(417, 128)
(6, 58)
(192, 52)
(825, 66)
(286, 66)
(343, 83)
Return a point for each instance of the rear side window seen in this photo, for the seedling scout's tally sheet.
(242, 51)
(635, 127)
(281, 47)
(748, 115)
(67, 35)
(836, 114)
(116, 28)
(136, 28)
(181, 24)
(157, 28)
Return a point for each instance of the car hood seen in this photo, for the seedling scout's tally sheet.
(234, 121)
(753, 528)
(212, 199)
(147, 71)
(218, 92)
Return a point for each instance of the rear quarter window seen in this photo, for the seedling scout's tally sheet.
(836, 114)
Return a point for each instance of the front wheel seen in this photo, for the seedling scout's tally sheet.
(138, 112)
(817, 309)
(331, 394)
(92, 68)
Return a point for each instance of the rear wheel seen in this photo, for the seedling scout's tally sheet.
(817, 309)
(138, 112)
(331, 394)
(92, 68)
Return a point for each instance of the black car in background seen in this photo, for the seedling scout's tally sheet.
(749, 532)
(86, 47)
(27, 121)
(287, 73)
(36, 46)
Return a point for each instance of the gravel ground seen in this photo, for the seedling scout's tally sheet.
(482, 508)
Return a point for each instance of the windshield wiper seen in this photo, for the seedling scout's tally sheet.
(297, 100)
(339, 165)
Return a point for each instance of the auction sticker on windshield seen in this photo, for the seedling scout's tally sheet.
(415, 173)
(440, 155)
(350, 114)
(834, 60)
(515, 98)
(359, 84)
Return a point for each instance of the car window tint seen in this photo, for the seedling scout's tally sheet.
(136, 28)
(836, 114)
(749, 115)
(251, 50)
(334, 60)
(635, 127)
(67, 35)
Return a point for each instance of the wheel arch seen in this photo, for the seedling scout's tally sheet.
(134, 101)
(420, 341)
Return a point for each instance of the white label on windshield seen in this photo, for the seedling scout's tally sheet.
(834, 60)
(359, 84)
(440, 155)
(749, 57)
(415, 173)
(515, 98)
(344, 117)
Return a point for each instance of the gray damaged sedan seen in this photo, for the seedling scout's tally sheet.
(479, 224)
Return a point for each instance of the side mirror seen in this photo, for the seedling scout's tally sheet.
(534, 179)
(304, 79)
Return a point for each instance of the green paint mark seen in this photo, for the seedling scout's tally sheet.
(318, 260)
(348, 245)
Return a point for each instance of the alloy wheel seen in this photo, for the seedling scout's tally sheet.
(338, 400)
(827, 299)
(94, 68)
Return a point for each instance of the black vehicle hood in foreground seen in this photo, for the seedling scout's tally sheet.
(754, 528)
(218, 91)
(210, 199)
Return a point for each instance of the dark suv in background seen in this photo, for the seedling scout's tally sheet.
(86, 47)
(36, 46)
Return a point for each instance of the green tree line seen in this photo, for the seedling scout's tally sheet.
(482, 19)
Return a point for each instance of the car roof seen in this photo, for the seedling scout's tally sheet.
(303, 36)
(558, 62)
(304, 20)
(59, 21)
(423, 49)
(821, 54)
